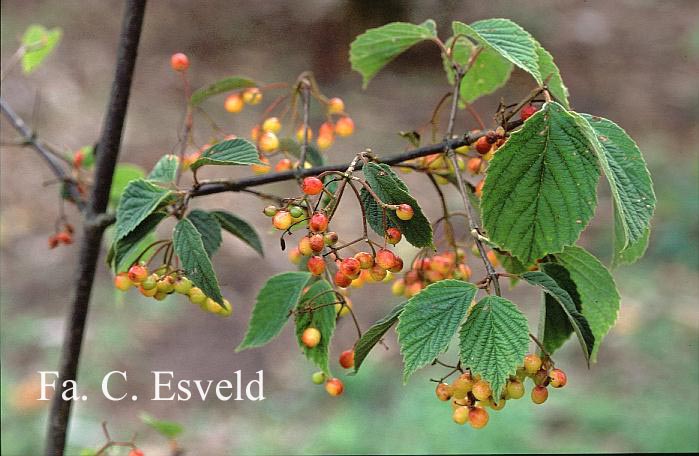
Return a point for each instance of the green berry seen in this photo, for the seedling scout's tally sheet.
(318, 378)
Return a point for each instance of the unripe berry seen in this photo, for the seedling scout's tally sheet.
(441, 264)
(336, 106)
(532, 363)
(317, 242)
(376, 273)
(462, 385)
(282, 220)
(324, 141)
(515, 389)
(183, 285)
(343, 310)
(463, 272)
(316, 265)
(405, 212)
(334, 386)
(474, 165)
(558, 378)
(460, 415)
(342, 280)
(252, 96)
(122, 281)
(261, 168)
(539, 394)
(393, 235)
(541, 377)
(527, 111)
(310, 337)
(499, 405)
(318, 222)
(482, 145)
(270, 211)
(344, 126)
(312, 185)
(347, 359)
(196, 296)
(366, 261)
(305, 246)
(268, 142)
(272, 124)
(234, 103)
(318, 378)
(147, 292)
(179, 62)
(138, 273)
(283, 165)
(330, 238)
(300, 132)
(478, 417)
(296, 211)
(481, 390)
(212, 306)
(398, 287)
(166, 285)
(350, 267)
(159, 295)
(443, 392)
(295, 255)
(397, 265)
(385, 259)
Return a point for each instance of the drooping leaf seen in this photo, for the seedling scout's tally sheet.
(125, 250)
(38, 43)
(273, 306)
(209, 228)
(633, 251)
(550, 71)
(165, 170)
(546, 280)
(123, 175)
(224, 85)
(321, 298)
(236, 151)
(139, 200)
(240, 229)
(540, 190)
(597, 290)
(629, 180)
(373, 335)
(168, 429)
(494, 340)
(189, 248)
(430, 320)
(391, 190)
(375, 48)
(375, 214)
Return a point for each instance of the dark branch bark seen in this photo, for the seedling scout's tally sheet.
(107, 154)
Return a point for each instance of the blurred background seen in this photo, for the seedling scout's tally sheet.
(632, 61)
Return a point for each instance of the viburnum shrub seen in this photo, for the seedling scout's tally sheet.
(526, 178)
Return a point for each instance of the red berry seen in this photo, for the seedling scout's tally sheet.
(366, 261)
(312, 186)
(179, 62)
(78, 158)
(317, 242)
(539, 394)
(527, 111)
(558, 378)
(478, 417)
(342, 280)
(138, 273)
(283, 165)
(53, 241)
(318, 222)
(310, 337)
(350, 267)
(385, 258)
(405, 212)
(397, 265)
(316, 265)
(482, 145)
(393, 236)
(334, 386)
(347, 359)
(64, 237)
(136, 452)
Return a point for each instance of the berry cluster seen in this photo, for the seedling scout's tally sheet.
(64, 236)
(163, 282)
(471, 396)
(429, 269)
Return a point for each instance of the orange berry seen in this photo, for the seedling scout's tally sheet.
(539, 394)
(342, 280)
(272, 124)
(344, 126)
(122, 281)
(478, 417)
(479, 188)
(493, 258)
(324, 141)
(283, 165)
(393, 235)
(385, 259)
(460, 415)
(474, 165)
(481, 390)
(336, 106)
(268, 142)
(261, 168)
(318, 222)
(366, 261)
(299, 134)
(443, 392)
(532, 363)
(179, 62)
(558, 378)
(316, 265)
(252, 96)
(282, 220)
(334, 386)
(310, 337)
(234, 103)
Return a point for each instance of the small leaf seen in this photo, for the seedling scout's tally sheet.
(239, 228)
(224, 85)
(541, 188)
(126, 249)
(209, 228)
(273, 306)
(189, 248)
(494, 340)
(545, 280)
(598, 293)
(140, 199)
(391, 190)
(165, 170)
(375, 48)
(168, 429)
(236, 151)
(549, 70)
(430, 320)
(373, 335)
(38, 43)
(123, 175)
(321, 297)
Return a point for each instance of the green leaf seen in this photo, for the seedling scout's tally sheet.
(168, 429)
(140, 199)
(494, 340)
(189, 248)
(629, 180)
(125, 251)
(633, 251)
(236, 151)
(123, 175)
(549, 70)
(391, 190)
(239, 228)
(88, 160)
(209, 229)
(375, 48)
(320, 296)
(224, 85)
(373, 335)
(274, 303)
(430, 320)
(375, 214)
(165, 170)
(598, 293)
(38, 43)
(489, 72)
(540, 190)
(545, 280)
(506, 38)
